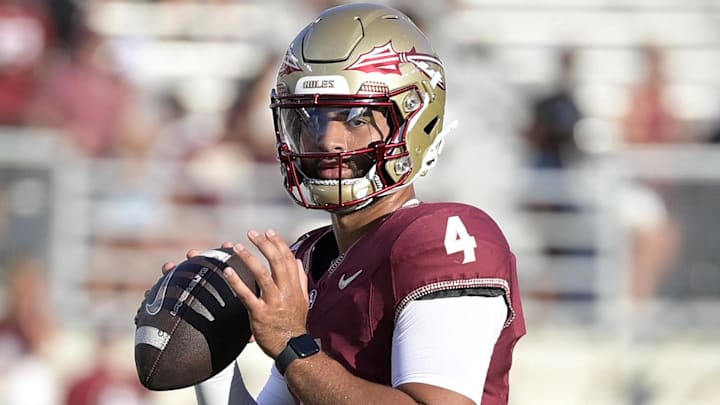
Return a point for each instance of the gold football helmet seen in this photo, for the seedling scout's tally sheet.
(358, 107)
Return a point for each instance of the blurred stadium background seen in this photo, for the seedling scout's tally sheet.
(135, 130)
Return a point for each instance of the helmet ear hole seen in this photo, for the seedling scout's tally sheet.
(431, 125)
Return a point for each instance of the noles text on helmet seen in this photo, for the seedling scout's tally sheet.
(358, 107)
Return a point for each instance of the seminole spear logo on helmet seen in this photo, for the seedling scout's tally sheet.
(384, 59)
(289, 63)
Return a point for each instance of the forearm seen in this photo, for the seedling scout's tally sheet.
(320, 380)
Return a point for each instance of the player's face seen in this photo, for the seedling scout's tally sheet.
(338, 130)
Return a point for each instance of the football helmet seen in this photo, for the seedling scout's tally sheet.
(358, 107)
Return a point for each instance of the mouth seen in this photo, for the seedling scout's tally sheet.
(330, 169)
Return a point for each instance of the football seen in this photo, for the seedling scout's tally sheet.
(191, 324)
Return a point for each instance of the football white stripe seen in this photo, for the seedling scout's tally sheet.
(201, 310)
(211, 289)
(152, 336)
(216, 254)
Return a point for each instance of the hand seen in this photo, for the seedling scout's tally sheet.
(280, 312)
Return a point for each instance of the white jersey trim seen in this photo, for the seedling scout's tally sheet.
(420, 292)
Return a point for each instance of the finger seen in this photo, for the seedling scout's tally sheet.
(191, 253)
(268, 246)
(302, 277)
(227, 245)
(262, 276)
(167, 267)
(243, 292)
(269, 249)
(287, 256)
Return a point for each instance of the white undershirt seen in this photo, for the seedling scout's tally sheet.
(446, 342)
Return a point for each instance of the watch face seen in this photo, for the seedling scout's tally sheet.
(304, 345)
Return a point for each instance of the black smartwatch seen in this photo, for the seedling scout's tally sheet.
(298, 347)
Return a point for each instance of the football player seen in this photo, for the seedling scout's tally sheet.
(398, 301)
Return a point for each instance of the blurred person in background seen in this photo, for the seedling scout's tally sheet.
(549, 188)
(551, 133)
(110, 380)
(654, 237)
(180, 139)
(214, 156)
(714, 134)
(655, 234)
(65, 15)
(650, 119)
(83, 94)
(551, 138)
(27, 330)
(26, 39)
(246, 122)
(410, 301)
(178, 135)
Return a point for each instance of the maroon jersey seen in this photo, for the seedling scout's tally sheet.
(414, 252)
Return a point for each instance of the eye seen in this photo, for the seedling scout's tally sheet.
(357, 122)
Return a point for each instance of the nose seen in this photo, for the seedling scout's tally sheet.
(334, 138)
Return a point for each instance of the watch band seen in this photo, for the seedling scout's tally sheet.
(298, 347)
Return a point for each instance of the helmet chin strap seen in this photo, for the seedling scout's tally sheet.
(435, 149)
(358, 188)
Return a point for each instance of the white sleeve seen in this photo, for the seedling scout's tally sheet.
(228, 388)
(275, 390)
(224, 388)
(447, 342)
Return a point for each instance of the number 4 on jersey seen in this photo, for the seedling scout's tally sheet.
(457, 239)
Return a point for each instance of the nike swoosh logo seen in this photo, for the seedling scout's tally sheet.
(154, 307)
(344, 282)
